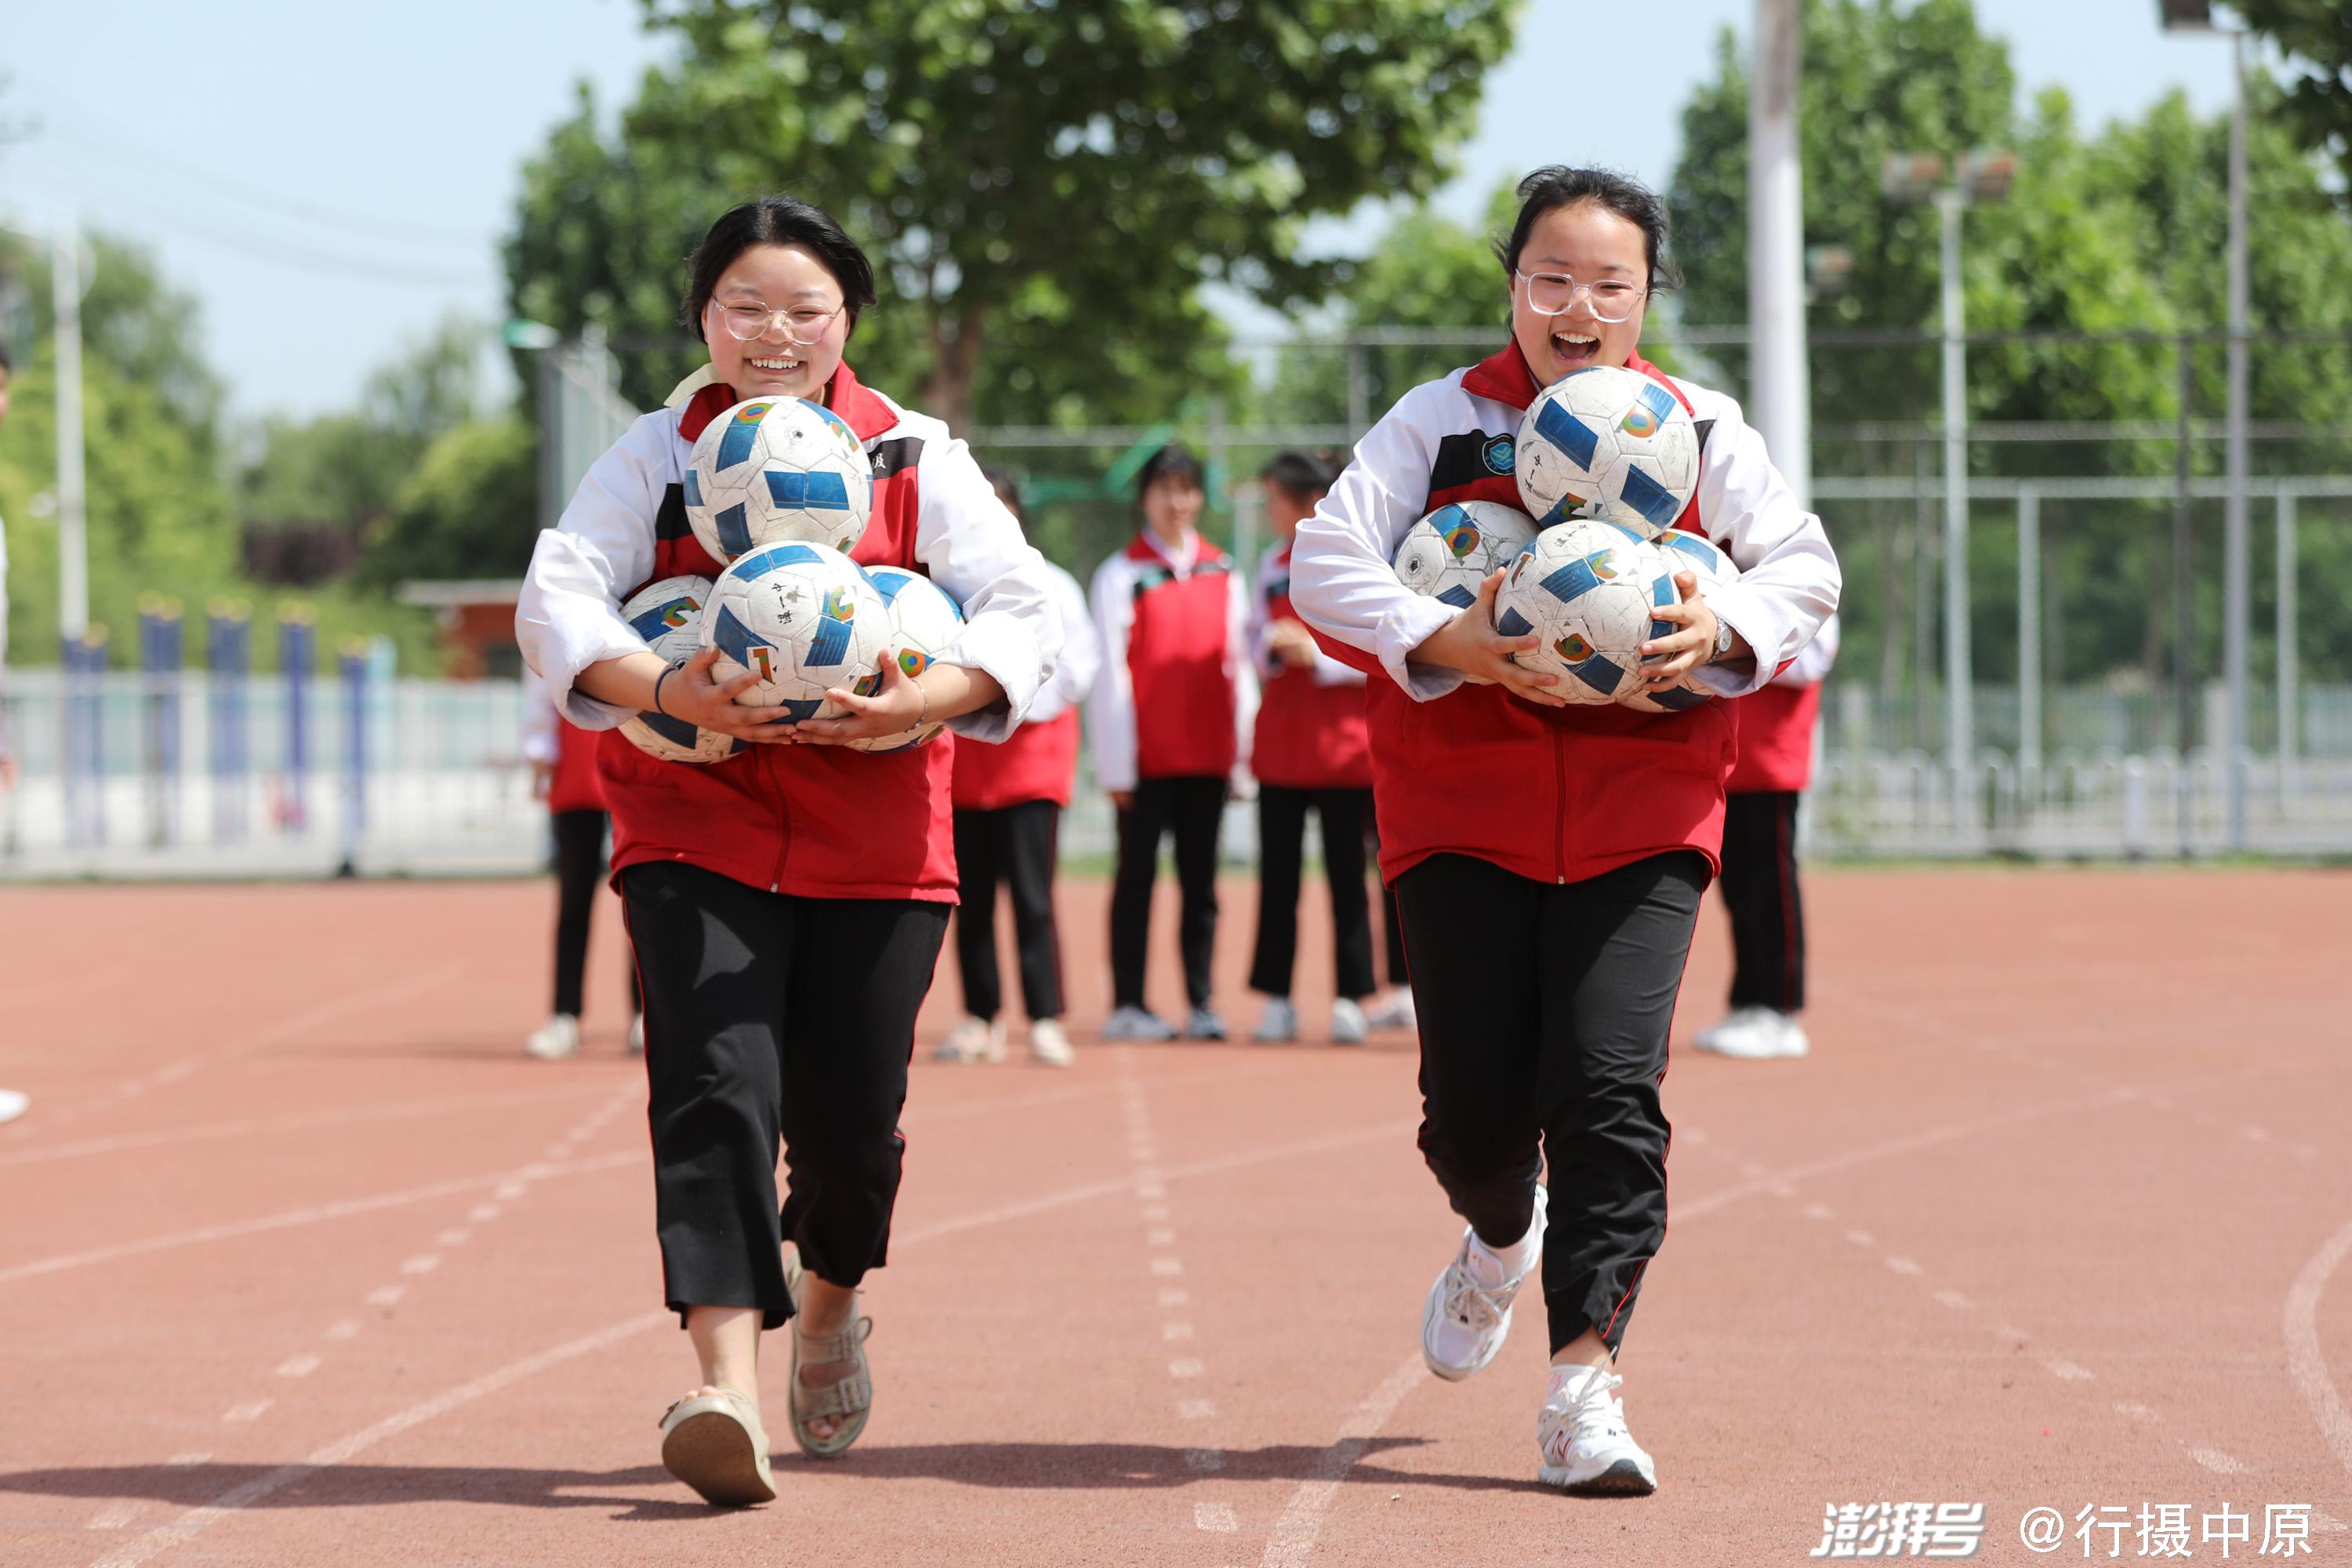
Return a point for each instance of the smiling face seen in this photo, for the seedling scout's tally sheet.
(778, 278)
(1591, 243)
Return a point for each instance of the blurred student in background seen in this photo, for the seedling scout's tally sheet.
(1009, 801)
(563, 759)
(12, 1103)
(1170, 705)
(1775, 764)
(1311, 752)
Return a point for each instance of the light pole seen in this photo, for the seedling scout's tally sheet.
(2197, 15)
(1912, 179)
(1778, 389)
(73, 550)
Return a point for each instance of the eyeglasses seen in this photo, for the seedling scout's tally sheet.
(804, 326)
(1611, 299)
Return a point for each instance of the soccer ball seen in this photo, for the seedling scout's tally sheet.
(1679, 552)
(924, 623)
(1585, 588)
(1611, 439)
(775, 470)
(668, 615)
(804, 619)
(1447, 554)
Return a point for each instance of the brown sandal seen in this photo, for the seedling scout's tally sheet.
(851, 1398)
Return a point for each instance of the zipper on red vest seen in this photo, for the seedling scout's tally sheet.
(1560, 774)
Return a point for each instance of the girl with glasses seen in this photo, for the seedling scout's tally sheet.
(1548, 860)
(787, 905)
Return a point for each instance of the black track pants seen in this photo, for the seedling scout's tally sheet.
(1760, 889)
(1192, 809)
(1015, 845)
(1544, 1013)
(579, 875)
(774, 1019)
(1281, 840)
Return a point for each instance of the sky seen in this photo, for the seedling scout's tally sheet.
(328, 182)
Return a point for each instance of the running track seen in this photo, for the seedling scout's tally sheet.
(302, 1263)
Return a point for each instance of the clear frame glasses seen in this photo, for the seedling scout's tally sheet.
(1613, 299)
(806, 325)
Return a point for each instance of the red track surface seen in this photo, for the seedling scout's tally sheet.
(303, 1263)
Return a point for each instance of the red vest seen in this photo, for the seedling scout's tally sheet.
(1038, 763)
(1776, 739)
(1310, 735)
(814, 821)
(575, 787)
(1555, 795)
(1177, 649)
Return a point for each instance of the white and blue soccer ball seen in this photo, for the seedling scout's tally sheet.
(1611, 441)
(1447, 554)
(925, 622)
(776, 470)
(1679, 552)
(1585, 589)
(668, 614)
(804, 618)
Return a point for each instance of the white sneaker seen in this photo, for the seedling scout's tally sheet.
(1135, 1024)
(1395, 1011)
(553, 1041)
(973, 1040)
(1468, 1314)
(1793, 1042)
(1049, 1046)
(1349, 1024)
(637, 1034)
(13, 1104)
(1277, 1024)
(1204, 1024)
(1582, 1430)
(1753, 1034)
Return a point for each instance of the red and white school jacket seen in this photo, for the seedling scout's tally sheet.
(1175, 695)
(1041, 761)
(812, 821)
(1775, 726)
(549, 738)
(1311, 731)
(1556, 795)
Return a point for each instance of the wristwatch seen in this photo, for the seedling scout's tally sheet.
(1722, 640)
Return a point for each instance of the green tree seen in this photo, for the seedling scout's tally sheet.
(1052, 182)
(2317, 107)
(471, 509)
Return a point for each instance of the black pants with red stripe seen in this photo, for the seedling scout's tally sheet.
(1192, 809)
(1544, 1013)
(1015, 845)
(773, 1020)
(1760, 889)
(1281, 850)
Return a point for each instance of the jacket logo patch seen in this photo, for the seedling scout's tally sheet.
(1500, 454)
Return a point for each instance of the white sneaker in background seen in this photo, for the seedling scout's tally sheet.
(973, 1040)
(1204, 1024)
(637, 1034)
(1349, 1024)
(1393, 1011)
(1049, 1045)
(1135, 1024)
(1743, 1032)
(13, 1104)
(1793, 1042)
(1468, 1313)
(1586, 1447)
(1277, 1024)
(554, 1040)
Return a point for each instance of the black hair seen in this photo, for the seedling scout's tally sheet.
(1304, 477)
(775, 220)
(1557, 186)
(1008, 490)
(1170, 462)
(6, 367)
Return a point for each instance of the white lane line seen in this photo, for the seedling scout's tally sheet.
(1170, 1332)
(115, 1515)
(1214, 1516)
(250, 1411)
(422, 1263)
(1196, 1409)
(1903, 1266)
(2066, 1371)
(195, 1458)
(2133, 1410)
(343, 1329)
(510, 1190)
(2215, 1460)
(1159, 1235)
(1954, 1299)
(482, 1214)
(1155, 1214)
(1292, 1540)
(1820, 1211)
(298, 1366)
(313, 1215)
(1187, 1366)
(386, 1295)
(1175, 1297)
(133, 1553)
(1860, 1238)
(1168, 1268)
(456, 1236)
(2306, 1363)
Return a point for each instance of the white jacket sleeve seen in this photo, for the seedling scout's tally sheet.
(537, 728)
(975, 550)
(1074, 672)
(1341, 581)
(1790, 580)
(1110, 711)
(569, 614)
(1811, 667)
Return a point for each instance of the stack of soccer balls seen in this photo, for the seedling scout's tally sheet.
(778, 489)
(1606, 461)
